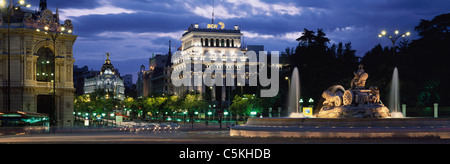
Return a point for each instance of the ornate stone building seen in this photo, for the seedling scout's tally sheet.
(217, 40)
(108, 80)
(38, 69)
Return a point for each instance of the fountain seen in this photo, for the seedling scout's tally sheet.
(356, 102)
(294, 95)
(394, 96)
(353, 113)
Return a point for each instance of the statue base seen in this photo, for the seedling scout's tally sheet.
(349, 111)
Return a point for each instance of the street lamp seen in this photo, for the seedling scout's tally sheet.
(393, 39)
(54, 31)
(311, 100)
(209, 114)
(8, 10)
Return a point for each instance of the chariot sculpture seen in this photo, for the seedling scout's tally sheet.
(356, 102)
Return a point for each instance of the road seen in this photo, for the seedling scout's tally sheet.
(192, 137)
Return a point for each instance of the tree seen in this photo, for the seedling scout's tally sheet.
(128, 102)
(193, 103)
(378, 64)
(82, 103)
(173, 103)
(422, 65)
(426, 58)
(156, 106)
(246, 104)
(239, 105)
(308, 37)
(320, 65)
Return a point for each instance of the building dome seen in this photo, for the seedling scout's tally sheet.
(108, 68)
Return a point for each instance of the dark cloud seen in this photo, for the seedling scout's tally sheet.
(53, 4)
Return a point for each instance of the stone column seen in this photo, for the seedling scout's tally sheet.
(270, 112)
(436, 110)
(404, 110)
(65, 108)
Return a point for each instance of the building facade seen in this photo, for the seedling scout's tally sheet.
(79, 75)
(215, 40)
(109, 80)
(156, 80)
(128, 81)
(37, 77)
(140, 82)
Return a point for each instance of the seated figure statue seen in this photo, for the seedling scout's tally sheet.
(359, 81)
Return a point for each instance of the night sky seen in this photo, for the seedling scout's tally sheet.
(131, 30)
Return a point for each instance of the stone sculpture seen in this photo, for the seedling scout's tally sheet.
(331, 100)
(359, 81)
(68, 24)
(356, 102)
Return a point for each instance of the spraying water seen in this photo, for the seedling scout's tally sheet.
(294, 95)
(394, 96)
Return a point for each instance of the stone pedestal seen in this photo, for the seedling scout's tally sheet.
(370, 111)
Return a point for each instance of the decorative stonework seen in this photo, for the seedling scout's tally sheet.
(29, 75)
(356, 102)
(28, 37)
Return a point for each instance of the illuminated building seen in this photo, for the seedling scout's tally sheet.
(156, 81)
(217, 40)
(109, 80)
(38, 69)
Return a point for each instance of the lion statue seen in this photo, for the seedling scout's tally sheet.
(331, 100)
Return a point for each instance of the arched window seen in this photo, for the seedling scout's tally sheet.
(228, 43)
(232, 42)
(212, 43)
(201, 41)
(206, 42)
(217, 43)
(222, 44)
(45, 66)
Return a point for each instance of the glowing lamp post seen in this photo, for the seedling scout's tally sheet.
(8, 9)
(209, 114)
(311, 102)
(54, 31)
(393, 39)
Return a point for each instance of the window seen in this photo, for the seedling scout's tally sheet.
(45, 67)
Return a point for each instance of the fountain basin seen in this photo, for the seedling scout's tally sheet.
(366, 111)
(344, 128)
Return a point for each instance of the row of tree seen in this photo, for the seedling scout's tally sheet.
(163, 106)
(321, 66)
(98, 102)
